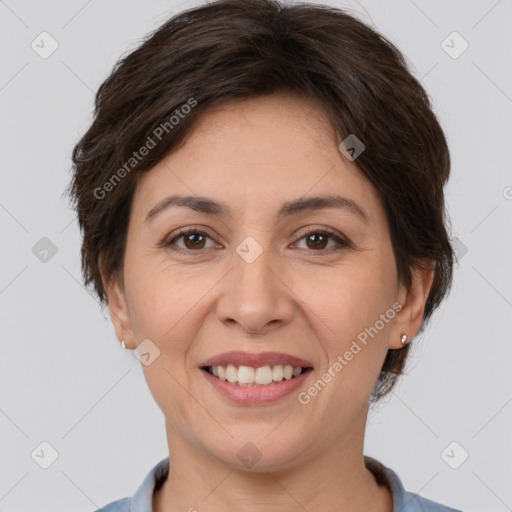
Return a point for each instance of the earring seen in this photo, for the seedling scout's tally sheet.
(404, 339)
(123, 345)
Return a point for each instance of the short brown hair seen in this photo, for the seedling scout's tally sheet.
(231, 50)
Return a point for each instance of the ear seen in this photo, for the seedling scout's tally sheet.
(119, 311)
(408, 319)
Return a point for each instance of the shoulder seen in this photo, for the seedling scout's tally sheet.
(415, 503)
(122, 505)
(404, 501)
(141, 500)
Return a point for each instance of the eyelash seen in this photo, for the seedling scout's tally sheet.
(342, 244)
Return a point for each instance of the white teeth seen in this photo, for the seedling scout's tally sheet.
(262, 376)
(277, 373)
(245, 375)
(231, 374)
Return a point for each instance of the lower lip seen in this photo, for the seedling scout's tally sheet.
(256, 395)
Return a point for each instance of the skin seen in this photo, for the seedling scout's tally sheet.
(306, 299)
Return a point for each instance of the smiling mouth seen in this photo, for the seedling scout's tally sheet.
(261, 376)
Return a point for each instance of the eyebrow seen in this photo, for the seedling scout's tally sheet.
(212, 207)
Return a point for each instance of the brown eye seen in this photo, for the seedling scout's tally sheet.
(318, 240)
(193, 240)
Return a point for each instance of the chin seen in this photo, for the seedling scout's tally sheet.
(257, 452)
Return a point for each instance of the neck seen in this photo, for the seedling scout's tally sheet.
(335, 479)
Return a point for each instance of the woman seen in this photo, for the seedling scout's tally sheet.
(261, 201)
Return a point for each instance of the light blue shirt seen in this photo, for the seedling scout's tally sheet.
(403, 501)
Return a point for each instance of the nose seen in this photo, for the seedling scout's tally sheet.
(255, 296)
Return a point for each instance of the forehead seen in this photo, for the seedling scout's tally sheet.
(261, 151)
(274, 126)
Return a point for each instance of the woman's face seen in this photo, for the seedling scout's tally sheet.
(261, 277)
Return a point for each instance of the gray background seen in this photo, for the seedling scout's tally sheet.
(64, 378)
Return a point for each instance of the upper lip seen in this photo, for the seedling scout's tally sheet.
(240, 358)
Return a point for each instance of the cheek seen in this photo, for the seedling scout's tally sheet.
(349, 296)
(157, 295)
(348, 305)
(165, 310)
(169, 306)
